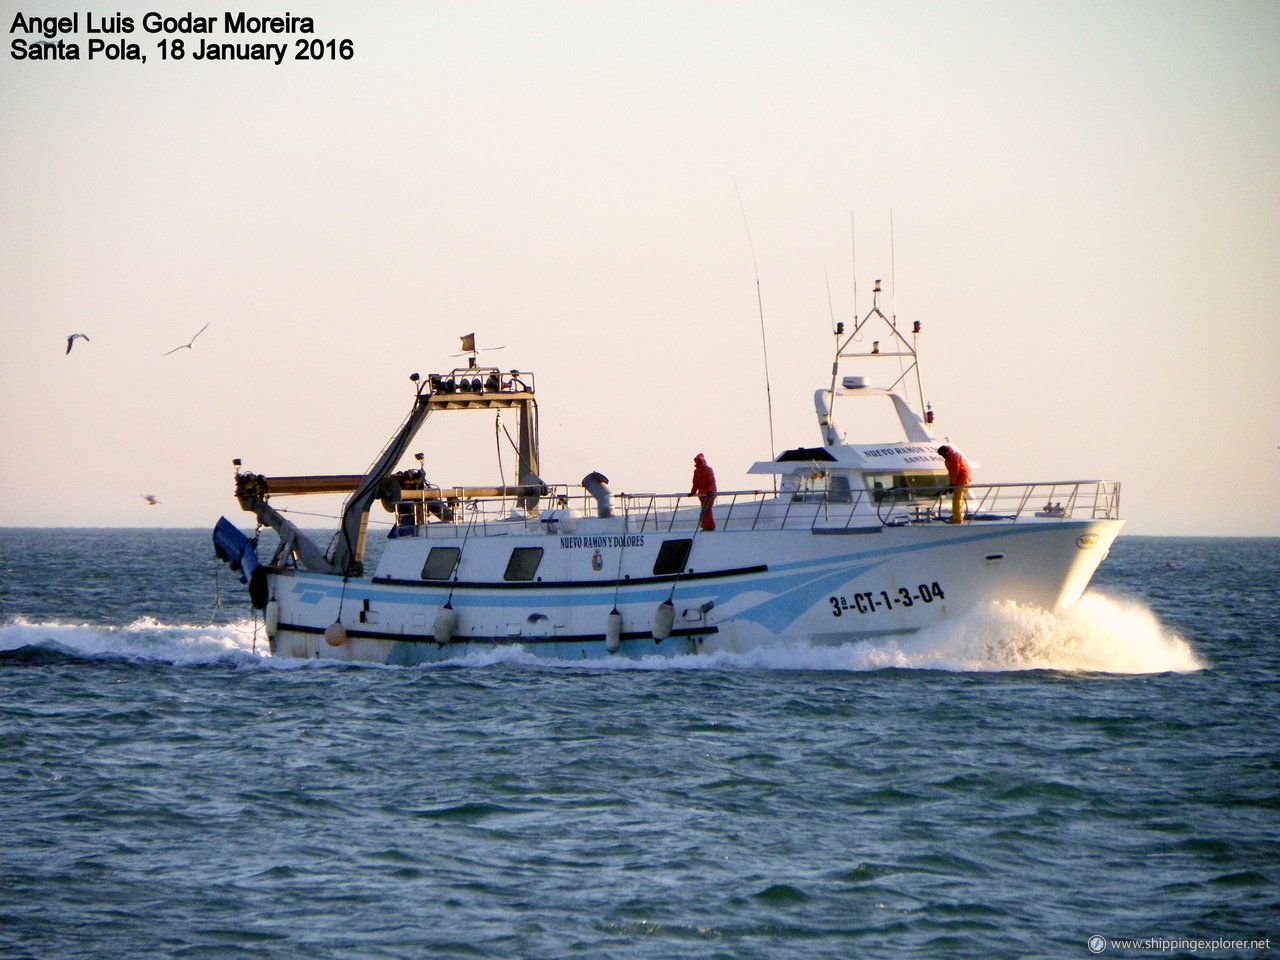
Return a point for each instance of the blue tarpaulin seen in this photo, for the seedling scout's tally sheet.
(234, 548)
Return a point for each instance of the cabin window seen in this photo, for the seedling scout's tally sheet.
(906, 486)
(441, 562)
(822, 486)
(523, 563)
(673, 555)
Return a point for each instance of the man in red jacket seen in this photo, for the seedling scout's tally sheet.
(958, 476)
(704, 487)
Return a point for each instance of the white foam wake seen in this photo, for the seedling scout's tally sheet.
(1101, 635)
(144, 639)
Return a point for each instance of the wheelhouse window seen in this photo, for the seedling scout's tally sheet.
(441, 562)
(821, 486)
(906, 486)
(673, 556)
(523, 564)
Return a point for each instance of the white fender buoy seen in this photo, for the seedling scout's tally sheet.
(445, 624)
(613, 631)
(335, 634)
(663, 620)
(271, 616)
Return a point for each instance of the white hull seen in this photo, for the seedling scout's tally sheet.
(736, 589)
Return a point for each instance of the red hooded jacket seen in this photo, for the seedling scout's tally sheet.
(704, 478)
(957, 467)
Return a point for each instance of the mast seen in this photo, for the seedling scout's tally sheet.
(469, 388)
(346, 556)
(896, 345)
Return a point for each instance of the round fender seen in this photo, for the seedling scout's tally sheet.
(335, 634)
(663, 620)
(613, 631)
(272, 617)
(445, 625)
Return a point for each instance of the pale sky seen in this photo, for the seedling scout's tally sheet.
(1085, 199)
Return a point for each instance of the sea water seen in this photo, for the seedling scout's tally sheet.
(1015, 784)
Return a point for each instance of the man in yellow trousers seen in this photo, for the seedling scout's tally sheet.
(958, 476)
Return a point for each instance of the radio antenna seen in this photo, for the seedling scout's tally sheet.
(853, 246)
(764, 343)
(893, 268)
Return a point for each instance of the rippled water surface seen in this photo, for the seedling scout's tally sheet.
(1008, 786)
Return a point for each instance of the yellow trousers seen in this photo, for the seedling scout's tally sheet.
(957, 505)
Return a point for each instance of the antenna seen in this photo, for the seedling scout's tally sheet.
(853, 247)
(764, 343)
(897, 346)
(893, 269)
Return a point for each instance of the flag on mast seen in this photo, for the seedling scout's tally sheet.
(469, 343)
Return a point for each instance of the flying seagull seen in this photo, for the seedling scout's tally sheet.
(187, 345)
(71, 340)
(151, 501)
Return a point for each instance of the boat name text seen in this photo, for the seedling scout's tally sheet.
(593, 543)
(918, 454)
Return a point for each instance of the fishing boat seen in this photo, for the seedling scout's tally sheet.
(855, 538)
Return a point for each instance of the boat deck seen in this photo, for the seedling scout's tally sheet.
(738, 510)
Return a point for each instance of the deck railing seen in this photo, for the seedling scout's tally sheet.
(758, 509)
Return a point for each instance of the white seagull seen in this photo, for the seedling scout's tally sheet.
(187, 345)
(71, 340)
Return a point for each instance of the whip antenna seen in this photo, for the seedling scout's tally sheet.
(853, 249)
(893, 268)
(764, 343)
